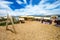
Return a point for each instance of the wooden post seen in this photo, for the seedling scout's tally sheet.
(9, 18)
(7, 22)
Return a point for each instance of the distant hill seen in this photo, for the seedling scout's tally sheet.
(44, 15)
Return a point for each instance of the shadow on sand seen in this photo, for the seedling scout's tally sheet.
(57, 25)
(11, 30)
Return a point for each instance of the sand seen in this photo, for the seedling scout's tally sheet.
(31, 30)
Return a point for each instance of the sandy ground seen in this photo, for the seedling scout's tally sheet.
(31, 30)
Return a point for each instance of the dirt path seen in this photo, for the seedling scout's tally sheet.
(33, 30)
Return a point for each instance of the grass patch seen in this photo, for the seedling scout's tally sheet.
(4, 23)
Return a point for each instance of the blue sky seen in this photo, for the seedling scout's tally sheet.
(29, 7)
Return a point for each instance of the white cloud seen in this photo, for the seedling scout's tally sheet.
(19, 2)
(4, 7)
(54, 5)
(31, 10)
(5, 2)
(25, 1)
(39, 9)
(43, 1)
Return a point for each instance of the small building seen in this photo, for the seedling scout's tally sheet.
(46, 20)
(54, 17)
(22, 19)
(30, 18)
(38, 18)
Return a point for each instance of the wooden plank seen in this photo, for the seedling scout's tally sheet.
(9, 18)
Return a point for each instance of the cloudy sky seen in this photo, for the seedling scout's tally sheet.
(29, 7)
